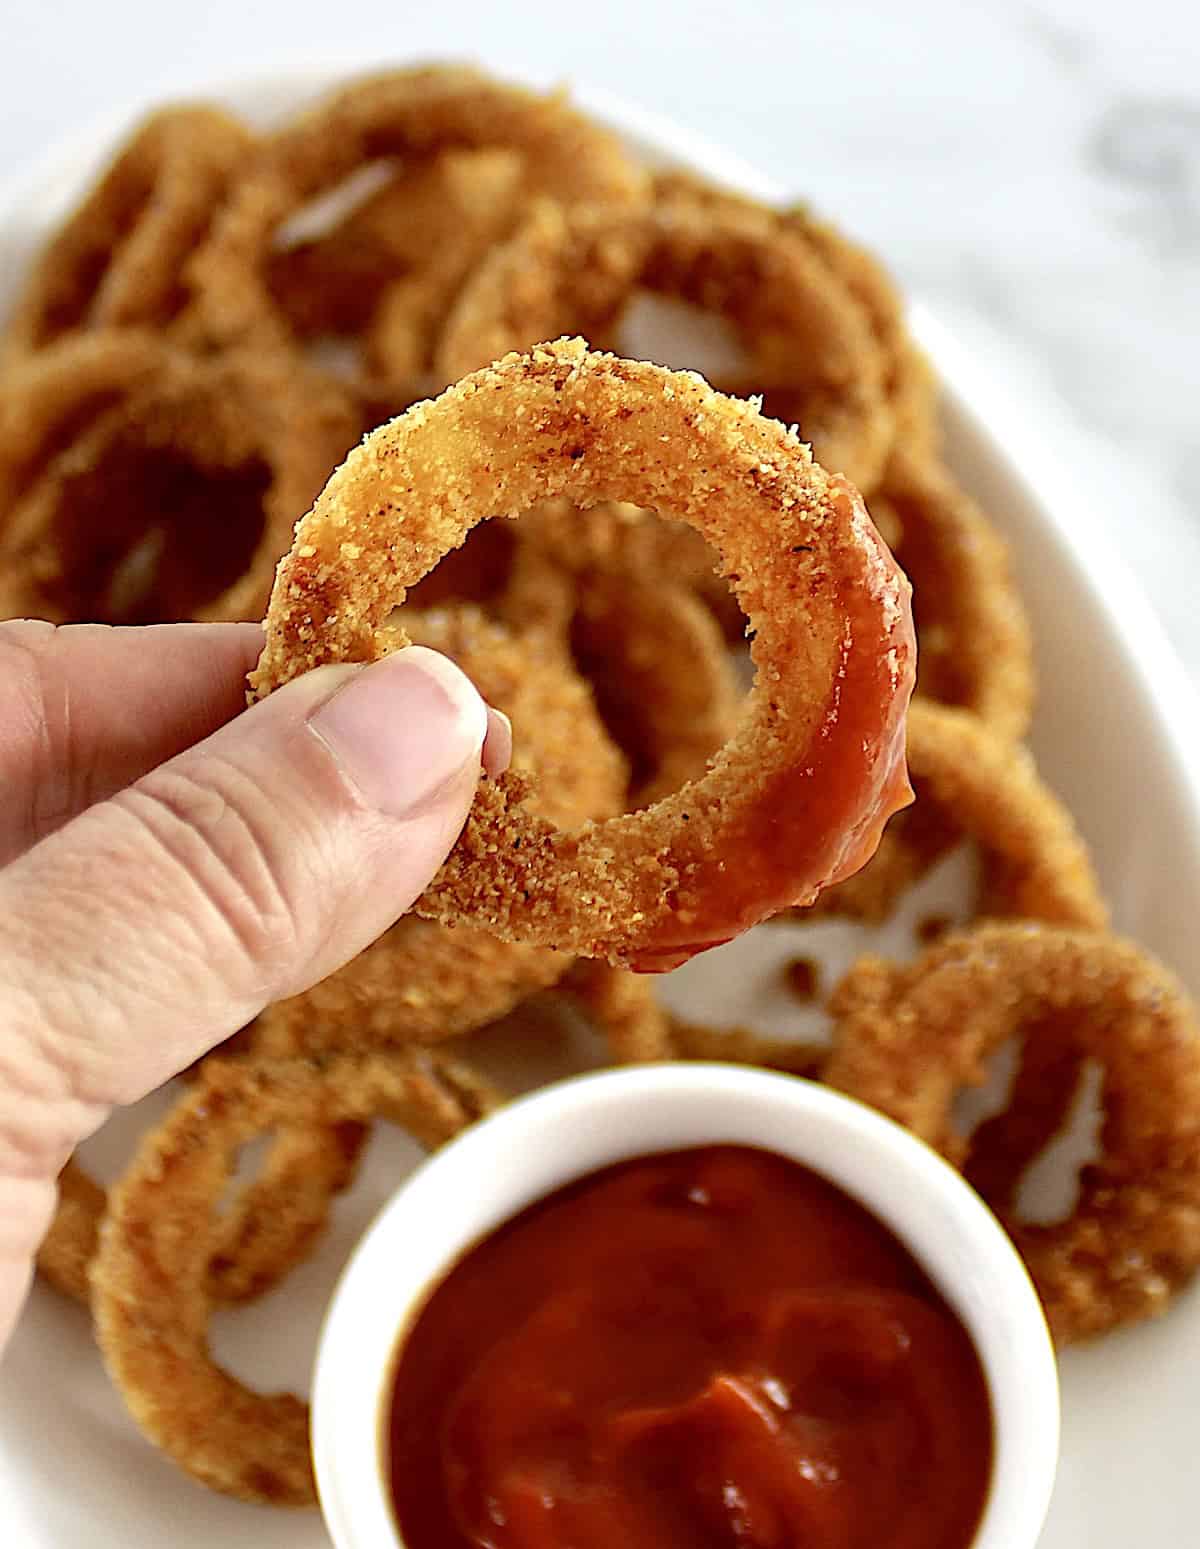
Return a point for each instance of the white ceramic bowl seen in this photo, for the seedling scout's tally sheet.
(564, 1132)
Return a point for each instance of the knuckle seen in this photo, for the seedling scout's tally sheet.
(32, 701)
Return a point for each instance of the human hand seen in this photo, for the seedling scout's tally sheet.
(171, 862)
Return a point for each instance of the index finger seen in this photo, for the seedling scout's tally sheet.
(86, 709)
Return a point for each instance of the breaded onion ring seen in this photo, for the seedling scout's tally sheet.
(973, 642)
(971, 784)
(150, 1295)
(795, 801)
(573, 271)
(623, 1007)
(743, 1046)
(401, 114)
(177, 499)
(272, 1225)
(908, 380)
(906, 1041)
(422, 982)
(663, 681)
(119, 257)
(46, 399)
(387, 272)
(70, 1245)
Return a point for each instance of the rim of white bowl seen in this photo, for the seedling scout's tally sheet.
(578, 1126)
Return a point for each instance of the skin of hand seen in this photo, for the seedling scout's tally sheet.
(171, 862)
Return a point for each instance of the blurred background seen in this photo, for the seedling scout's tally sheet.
(1031, 172)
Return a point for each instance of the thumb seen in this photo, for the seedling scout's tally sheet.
(243, 870)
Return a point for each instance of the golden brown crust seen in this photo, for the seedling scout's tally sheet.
(909, 384)
(117, 260)
(150, 1296)
(273, 1223)
(572, 271)
(163, 486)
(973, 639)
(744, 1046)
(403, 114)
(624, 1008)
(798, 549)
(908, 1039)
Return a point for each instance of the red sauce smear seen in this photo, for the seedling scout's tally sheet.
(709, 1349)
(820, 820)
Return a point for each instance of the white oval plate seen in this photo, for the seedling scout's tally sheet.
(1115, 734)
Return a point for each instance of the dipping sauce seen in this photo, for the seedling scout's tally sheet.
(710, 1349)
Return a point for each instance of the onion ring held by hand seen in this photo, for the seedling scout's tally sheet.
(150, 1293)
(972, 784)
(795, 801)
(908, 1040)
(117, 260)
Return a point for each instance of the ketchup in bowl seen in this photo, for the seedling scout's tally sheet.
(711, 1349)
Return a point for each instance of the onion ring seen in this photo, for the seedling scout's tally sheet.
(272, 1225)
(572, 271)
(401, 114)
(971, 783)
(118, 258)
(796, 800)
(119, 526)
(422, 982)
(150, 1294)
(623, 1007)
(909, 383)
(973, 641)
(45, 399)
(906, 1041)
(743, 1046)
(663, 682)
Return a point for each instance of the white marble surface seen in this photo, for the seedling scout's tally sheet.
(1030, 170)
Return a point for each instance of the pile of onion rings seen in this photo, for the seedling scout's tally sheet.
(189, 360)
(907, 1039)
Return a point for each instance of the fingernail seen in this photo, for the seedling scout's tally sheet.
(404, 728)
(497, 745)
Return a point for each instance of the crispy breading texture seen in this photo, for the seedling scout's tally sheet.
(273, 1223)
(908, 1040)
(150, 1294)
(572, 271)
(148, 485)
(799, 794)
(118, 259)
